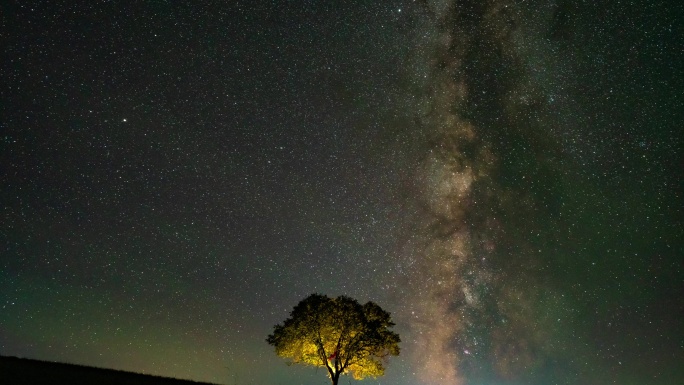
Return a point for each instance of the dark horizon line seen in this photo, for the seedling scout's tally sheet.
(7, 360)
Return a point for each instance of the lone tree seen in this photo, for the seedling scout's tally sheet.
(338, 334)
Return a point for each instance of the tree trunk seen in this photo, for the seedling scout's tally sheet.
(335, 378)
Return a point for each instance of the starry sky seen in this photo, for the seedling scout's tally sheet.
(504, 177)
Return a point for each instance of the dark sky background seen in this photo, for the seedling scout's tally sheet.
(504, 177)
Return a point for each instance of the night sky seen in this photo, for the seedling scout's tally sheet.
(504, 177)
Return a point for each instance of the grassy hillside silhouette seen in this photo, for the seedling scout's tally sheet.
(22, 371)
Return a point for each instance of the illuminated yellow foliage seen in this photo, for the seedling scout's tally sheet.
(338, 334)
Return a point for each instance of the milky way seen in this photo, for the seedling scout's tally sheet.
(452, 290)
(494, 224)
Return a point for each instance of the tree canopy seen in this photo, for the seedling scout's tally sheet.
(338, 334)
